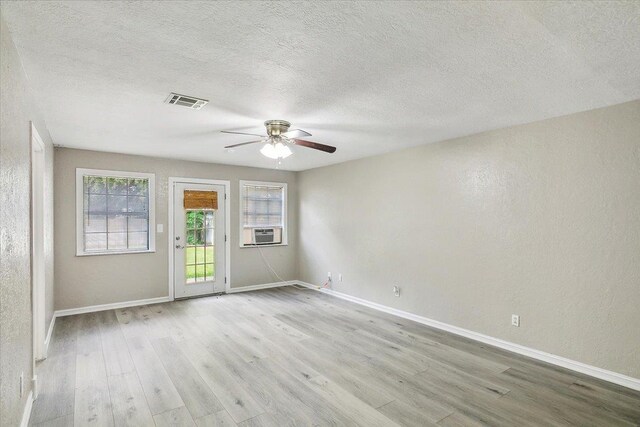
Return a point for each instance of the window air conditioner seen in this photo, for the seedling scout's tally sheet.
(264, 236)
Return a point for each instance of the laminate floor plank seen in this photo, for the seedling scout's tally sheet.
(309, 365)
(161, 323)
(129, 404)
(281, 394)
(443, 353)
(230, 390)
(561, 411)
(88, 333)
(289, 357)
(196, 394)
(377, 376)
(617, 402)
(92, 399)
(359, 412)
(131, 322)
(219, 419)
(406, 415)
(263, 420)
(307, 406)
(114, 346)
(564, 402)
(93, 405)
(458, 420)
(64, 421)
(178, 417)
(158, 388)
(242, 343)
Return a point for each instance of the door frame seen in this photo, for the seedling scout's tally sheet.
(227, 227)
(37, 242)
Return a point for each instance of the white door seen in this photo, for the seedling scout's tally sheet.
(198, 244)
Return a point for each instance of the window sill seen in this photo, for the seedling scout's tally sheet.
(263, 246)
(150, 251)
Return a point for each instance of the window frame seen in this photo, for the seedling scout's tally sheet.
(80, 174)
(285, 215)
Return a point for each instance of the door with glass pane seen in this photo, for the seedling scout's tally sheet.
(199, 239)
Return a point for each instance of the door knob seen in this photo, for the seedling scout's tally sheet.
(179, 247)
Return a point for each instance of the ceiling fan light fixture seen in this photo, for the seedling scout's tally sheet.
(275, 151)
(268, 150)
(283, 150)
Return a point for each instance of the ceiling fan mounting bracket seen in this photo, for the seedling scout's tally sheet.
(276, 127)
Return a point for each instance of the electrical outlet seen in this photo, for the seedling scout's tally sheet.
(329, 276)
(396, 291)
(339, 277)
(21, 384)
(515, 320)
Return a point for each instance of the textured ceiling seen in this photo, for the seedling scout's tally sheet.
(367, 77)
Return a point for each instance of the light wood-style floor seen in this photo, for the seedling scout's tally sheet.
(290, 357)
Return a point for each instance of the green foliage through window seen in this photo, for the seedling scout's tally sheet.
(195, 225)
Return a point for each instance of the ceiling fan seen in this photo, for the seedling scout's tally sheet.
(279, 138)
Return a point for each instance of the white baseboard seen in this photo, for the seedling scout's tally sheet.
(112, 306)
(124, 304)
(264, 286)
(49, 334)
(26, 414)
(603, 374)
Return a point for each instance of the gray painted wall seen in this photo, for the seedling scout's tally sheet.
(540, 220)
(17, 110)
(103, 279)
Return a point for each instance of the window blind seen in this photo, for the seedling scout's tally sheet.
(263, 206)
(116, 213)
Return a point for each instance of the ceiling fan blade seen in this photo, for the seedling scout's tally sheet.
(315, 145)
(242, 143)
(243, 133)
(296, 133)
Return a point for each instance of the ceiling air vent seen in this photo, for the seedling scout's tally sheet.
(186, 101)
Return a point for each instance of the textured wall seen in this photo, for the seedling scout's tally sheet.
(541, 220)
(83, 281)
(16, 112)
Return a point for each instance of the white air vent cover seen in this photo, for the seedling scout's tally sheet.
(186, 101)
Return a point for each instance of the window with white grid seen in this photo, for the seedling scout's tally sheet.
(115, 212)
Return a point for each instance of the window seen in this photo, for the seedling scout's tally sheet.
(263, 213)
(114, 212)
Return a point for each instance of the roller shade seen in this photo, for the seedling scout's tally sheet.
(200, 199)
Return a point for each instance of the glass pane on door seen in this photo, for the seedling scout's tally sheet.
(200, 246)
